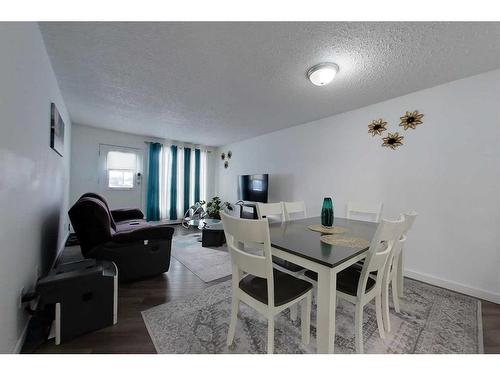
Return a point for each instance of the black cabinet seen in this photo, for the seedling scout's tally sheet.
(83, 296)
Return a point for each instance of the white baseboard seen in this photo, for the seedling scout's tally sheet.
(457, 287)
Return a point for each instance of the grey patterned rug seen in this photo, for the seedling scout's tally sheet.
(432, 320)
(208, 263)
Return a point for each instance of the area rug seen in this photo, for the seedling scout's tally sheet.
(432, 320)
(208, 263)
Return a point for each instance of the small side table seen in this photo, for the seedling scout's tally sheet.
(212, 237)
(212, 232)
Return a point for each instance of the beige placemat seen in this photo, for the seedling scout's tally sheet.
(328, 230)
(353, 242)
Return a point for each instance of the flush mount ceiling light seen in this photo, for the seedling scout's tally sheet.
(322, 74)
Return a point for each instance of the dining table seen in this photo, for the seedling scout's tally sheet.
(293, 241)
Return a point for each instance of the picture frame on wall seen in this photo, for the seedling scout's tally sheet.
(56, 130)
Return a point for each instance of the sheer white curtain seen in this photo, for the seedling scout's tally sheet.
(180, 182)
(165, 172)
(203, 175)
(192, 176)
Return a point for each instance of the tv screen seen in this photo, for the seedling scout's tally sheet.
(253, 188)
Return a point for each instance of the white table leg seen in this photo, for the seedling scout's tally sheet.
(326, 301)
(400, 276)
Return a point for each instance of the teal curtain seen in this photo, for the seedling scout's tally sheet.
(197, 154)
(153, 193)
(173, 185)
(187, 173)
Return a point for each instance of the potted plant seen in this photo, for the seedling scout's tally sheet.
(214, 206)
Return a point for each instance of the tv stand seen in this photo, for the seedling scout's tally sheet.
(248, 210)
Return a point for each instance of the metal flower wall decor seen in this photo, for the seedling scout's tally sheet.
(393, 140)
(409, 120)
(225, 158)
(377, 127)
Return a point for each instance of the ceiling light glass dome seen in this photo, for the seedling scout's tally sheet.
(322, 74)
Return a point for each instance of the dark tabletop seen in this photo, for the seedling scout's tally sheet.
(294, 237)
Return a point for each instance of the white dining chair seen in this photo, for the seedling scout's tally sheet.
(256, 283)
(294, 208)
(272, 211)
(393, 274)
(364, 212)
(276, 211)
(361, 285)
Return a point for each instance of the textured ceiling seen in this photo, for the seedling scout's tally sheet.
(214, 83)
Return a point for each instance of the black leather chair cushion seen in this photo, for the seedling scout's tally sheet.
(287, 265)
(125, 214)
(347, 280)
(286, 287)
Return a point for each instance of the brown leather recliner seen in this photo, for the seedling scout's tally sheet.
(138, 248)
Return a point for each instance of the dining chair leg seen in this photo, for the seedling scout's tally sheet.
(305, 318)
(400, 277)
(293, 312)
(234, 316)
(385, 307)
(395, 295)
(378, 311)
(270, 335)
(358, 328)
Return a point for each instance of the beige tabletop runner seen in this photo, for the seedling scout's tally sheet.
(328, 230)
(345, 241)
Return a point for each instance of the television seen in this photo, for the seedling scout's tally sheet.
(253, 188)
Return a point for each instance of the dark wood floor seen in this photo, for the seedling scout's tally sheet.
(130, 335)
(491, 327)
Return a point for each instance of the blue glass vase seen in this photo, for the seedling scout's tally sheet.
(327, 212)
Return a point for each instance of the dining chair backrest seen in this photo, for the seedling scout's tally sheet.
(241, 233)
(387, 234)
(394, 255)
(396, 252)
(365, 212)
(409, 220)
(270, 210)
(290, 208)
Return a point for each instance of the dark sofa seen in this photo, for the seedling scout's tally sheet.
(138, 248)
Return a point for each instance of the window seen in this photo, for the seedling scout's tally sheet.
(121, 168)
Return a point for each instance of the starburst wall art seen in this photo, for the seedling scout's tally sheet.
(393, 140)
(225, 158)
(377, 127)
(409, 120)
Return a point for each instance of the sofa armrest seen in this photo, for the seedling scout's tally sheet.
(127, 214)
(156, 232)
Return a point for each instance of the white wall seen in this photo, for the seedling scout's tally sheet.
(35, 180)
(85, 142)
(448, 171)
